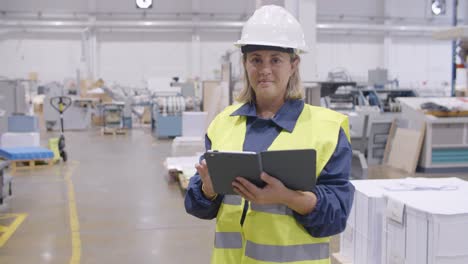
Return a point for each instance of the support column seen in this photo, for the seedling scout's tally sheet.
(195, 50)
(387, 42)
(260, 3)
(306, 12)
(89, 52)
(195, 71)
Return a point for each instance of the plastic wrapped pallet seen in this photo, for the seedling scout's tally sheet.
(194, 124)
(13, 140)
(347, 238)
(362, 239)
(187, 146)
(23, 123)
(184, 165)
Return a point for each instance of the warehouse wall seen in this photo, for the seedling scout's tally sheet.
(355, 54)
(412, 60)
(124, 58)
(130, 61)
(420, 62)
(132, 57)
(54, 56)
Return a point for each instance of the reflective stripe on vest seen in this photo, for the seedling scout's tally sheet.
(271, 208)
(232, 199)
(287, 253)
(228, 240)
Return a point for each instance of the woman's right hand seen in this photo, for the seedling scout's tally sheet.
(207, 186)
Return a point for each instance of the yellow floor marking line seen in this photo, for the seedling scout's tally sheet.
(73, 213)
(10, 229)
(3, 228)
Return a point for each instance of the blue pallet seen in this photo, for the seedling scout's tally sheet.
(26, 153)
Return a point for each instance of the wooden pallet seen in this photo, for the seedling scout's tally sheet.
(339, 259)
(114, 131)
(183, 182)
(30, 164)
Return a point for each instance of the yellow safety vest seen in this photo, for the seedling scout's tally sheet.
(270, 233)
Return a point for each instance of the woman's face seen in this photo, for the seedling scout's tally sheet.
(269, 72)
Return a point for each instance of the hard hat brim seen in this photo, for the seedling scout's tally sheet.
(297, 50)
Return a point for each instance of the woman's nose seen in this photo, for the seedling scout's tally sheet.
(265, 68)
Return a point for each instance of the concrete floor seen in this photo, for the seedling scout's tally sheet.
(126, 211)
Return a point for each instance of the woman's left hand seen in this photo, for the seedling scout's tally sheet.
(273, 193)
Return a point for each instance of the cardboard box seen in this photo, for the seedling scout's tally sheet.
(97, 120)
(146, 116)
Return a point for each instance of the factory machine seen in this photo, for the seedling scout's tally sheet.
(167, 114)
(445, 122)
(385, 99)
(77, 117)
(113, 122)
(167, 109)
(370, 113)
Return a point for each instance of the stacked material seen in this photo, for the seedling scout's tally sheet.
(407, 221)
(23, 131)
(428, 224)
(23, 123)
(187, 146)
(194, 124)
(14, 140)
(181, 169)
(361, 240)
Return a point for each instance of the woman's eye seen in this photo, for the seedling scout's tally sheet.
(255, 60)
(275, 61)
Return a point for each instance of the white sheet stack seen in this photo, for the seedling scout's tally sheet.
(187, 146)
(194, 124)
(20, 139)
(412, 220)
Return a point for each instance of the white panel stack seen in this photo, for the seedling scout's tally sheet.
(433, 227)
(412, 220)
(194, 124)
(187, 146)
(368, 207)
(23, 139)
(347, 238)
(184, 164)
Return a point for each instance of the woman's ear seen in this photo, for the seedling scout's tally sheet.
(295, 63)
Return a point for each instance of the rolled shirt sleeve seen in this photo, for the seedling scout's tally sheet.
(195, 202)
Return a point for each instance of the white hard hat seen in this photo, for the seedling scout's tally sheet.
(272, 25)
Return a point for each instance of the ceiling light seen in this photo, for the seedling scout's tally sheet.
(438, 7)
(144, 4)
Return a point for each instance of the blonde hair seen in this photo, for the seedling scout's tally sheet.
(294, 88)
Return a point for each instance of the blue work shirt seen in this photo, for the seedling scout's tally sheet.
(333, 190)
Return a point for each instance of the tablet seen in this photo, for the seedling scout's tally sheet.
(224, 167)
(294, 168)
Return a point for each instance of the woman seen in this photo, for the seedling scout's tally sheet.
(275, 224)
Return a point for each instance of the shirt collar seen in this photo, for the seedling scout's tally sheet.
(286, 117)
